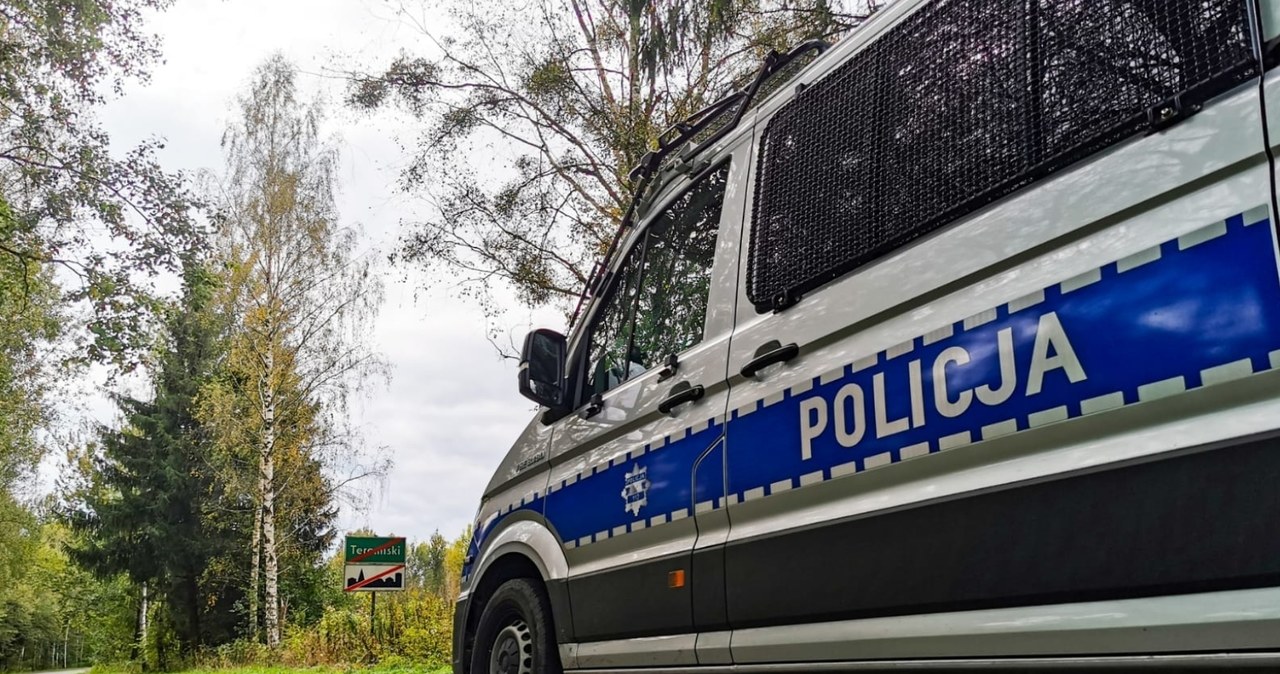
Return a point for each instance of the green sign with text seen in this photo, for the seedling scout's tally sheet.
(374, 550)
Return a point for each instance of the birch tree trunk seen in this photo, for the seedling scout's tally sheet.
(271, 598)
(142, 622)
(256, 567)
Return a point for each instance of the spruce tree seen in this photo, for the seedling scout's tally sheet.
(147, 519)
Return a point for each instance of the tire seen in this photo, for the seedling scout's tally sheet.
(514, 635)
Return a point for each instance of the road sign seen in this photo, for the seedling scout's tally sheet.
(373, 564)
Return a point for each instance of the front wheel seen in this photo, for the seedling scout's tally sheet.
(514, 634)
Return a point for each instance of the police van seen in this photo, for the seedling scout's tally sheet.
(951, 346)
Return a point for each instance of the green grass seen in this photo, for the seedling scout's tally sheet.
(348, 669)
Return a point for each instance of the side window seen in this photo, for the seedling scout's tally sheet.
(607, 366)
(659, 304)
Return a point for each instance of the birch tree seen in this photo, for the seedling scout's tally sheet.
(301, 298)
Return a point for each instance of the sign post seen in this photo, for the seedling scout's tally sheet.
(373, 564)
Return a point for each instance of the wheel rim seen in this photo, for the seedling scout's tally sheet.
(512, 650)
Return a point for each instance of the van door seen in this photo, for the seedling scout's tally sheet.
(640, 465)
(1002, 260)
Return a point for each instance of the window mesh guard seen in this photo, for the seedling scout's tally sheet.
(962, 103)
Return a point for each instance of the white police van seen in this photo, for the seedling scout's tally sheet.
(958, 349)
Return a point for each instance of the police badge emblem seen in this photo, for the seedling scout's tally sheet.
(635, 490)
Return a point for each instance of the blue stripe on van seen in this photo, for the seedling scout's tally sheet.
(652, 487)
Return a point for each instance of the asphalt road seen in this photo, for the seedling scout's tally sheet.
(82, 670)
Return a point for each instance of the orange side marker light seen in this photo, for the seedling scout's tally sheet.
(675, 579)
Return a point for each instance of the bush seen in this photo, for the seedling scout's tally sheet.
(412, 627)
(239, 653)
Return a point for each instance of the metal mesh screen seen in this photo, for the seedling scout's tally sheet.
(962, 103)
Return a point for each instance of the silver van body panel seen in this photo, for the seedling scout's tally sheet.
(645, 652)
(1124, 663)
(1270, 19)
(1243, 620)
(523, 464)
(529, 536)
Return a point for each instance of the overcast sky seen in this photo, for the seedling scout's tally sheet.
(451, 409)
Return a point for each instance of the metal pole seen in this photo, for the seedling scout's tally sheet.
(373, 607)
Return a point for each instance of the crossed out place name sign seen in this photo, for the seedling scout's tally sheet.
(373, 564)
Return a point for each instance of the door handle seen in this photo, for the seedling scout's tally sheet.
(769, 353)
(680, 394)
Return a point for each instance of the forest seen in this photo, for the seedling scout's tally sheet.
(228, 310)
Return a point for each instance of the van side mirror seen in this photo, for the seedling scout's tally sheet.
(541, 373)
